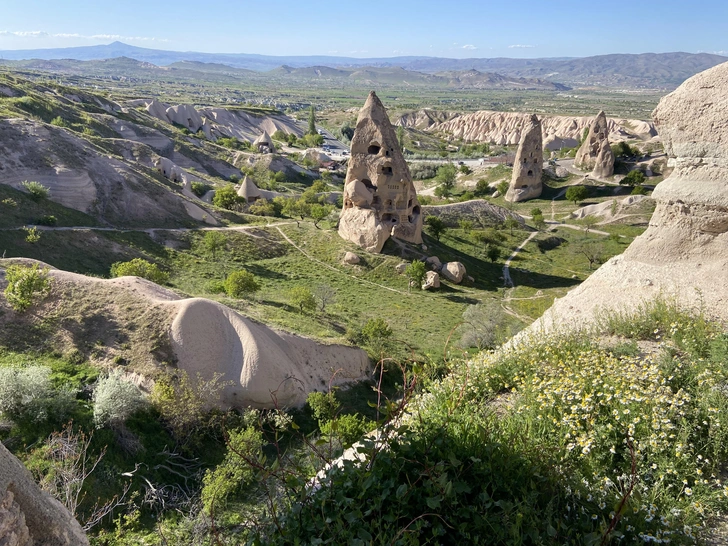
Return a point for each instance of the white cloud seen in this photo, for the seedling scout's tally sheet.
(76, 36)
(520, 46)
(469, 46)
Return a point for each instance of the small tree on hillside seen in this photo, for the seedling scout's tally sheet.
(493, 252)
(213, 241)
(589, 222)
(435, 226)
(511, 224)
(36, 190)
(226, 198)
(139, 268)
(325, 295)
(415, 273)
(302, 297)
(446, 175)
(576, 194)
(633, 178)
(502, 187)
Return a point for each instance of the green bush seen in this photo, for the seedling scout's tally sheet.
(28, 394)
(302, 297)
(36, 190)
(576, 194)
(638, 190)
(26, 285)
(199, 188)
(115, 400)
(227, 198)
(323, 405)
(633, 178)
(48, 220)
(347, 429)
(58, 121)
(240, 283)
(139, 268)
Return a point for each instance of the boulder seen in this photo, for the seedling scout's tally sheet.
(453, 272)
(432, 280)
(351, 258)
(379, 195)
(433, 262)
(400, 268)
(528, 165)
(29, 515)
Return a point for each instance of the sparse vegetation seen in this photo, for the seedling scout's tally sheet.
(26, 285)
(36, 190)
(139, 267)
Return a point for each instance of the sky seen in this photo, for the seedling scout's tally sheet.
(445, 28)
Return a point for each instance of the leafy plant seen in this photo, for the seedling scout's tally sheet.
(139, 267)
(28, 394)
(302, 297)
(26, 285)
(115, 400)
(36, 190)
(240, 283)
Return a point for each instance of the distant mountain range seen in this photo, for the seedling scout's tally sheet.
(646, 70)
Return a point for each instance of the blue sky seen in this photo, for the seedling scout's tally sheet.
(466, 28)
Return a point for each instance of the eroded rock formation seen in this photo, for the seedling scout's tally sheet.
(528, 165)
(29, 515)
(379, 198)
(684, 252)
(595, 154)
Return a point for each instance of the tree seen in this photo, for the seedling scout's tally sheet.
(539, 222)
(400, 137)
(302, 297)
(483, 326)
(589, 222)
(226, 198)
(633, 178)
(446, 175)
(240, 283)
(435, 226)
(139, 268)
(536, 211)
(318, 213)
(592, 250)
(493, 252)
(511, 223)
(377, 333)
(214, 241)
(26, 285)
(325, 295)
(576, 194)
(415, 273)
(312, 121)
(466, 225)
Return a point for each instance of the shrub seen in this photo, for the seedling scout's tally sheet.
(58, 121)
(9, 202)
(435, 226)
(32, 235)
(347, 429)
(263, 207)
(240, 283)
(483, 326)
(115, 400)
(48, 220)
(416, 272)
(227, 198)
(633, 178)
(28, 394)
(323, 405)
(199, 188)
(638, 190)
(493, 252)
(36, 190)
(139, 268)
(26, 285)
(213, 241)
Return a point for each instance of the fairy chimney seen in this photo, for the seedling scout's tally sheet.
(595, 154)
(528, 165)
(379, 198)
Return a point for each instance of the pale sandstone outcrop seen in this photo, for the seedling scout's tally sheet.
(379, 198)
(29, 515)
(506, 127)
(684, 252)
(264, 143)
(528, 165)
(249, 191)
(595, 154)
(186, 116)
(351, 258)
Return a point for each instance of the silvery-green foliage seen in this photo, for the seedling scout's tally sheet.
(115, 400)
(28, 394)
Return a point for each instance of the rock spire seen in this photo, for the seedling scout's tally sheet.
(528, 165)
(595, 154)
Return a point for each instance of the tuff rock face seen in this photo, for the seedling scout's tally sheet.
(29, 515)
(684, 252)
(595, 153)
(379, 198)
(528, 165)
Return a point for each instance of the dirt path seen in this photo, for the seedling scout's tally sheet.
(506, 266)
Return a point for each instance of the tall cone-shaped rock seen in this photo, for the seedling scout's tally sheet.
(528, 165)
(595, 154)
(379, 198)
